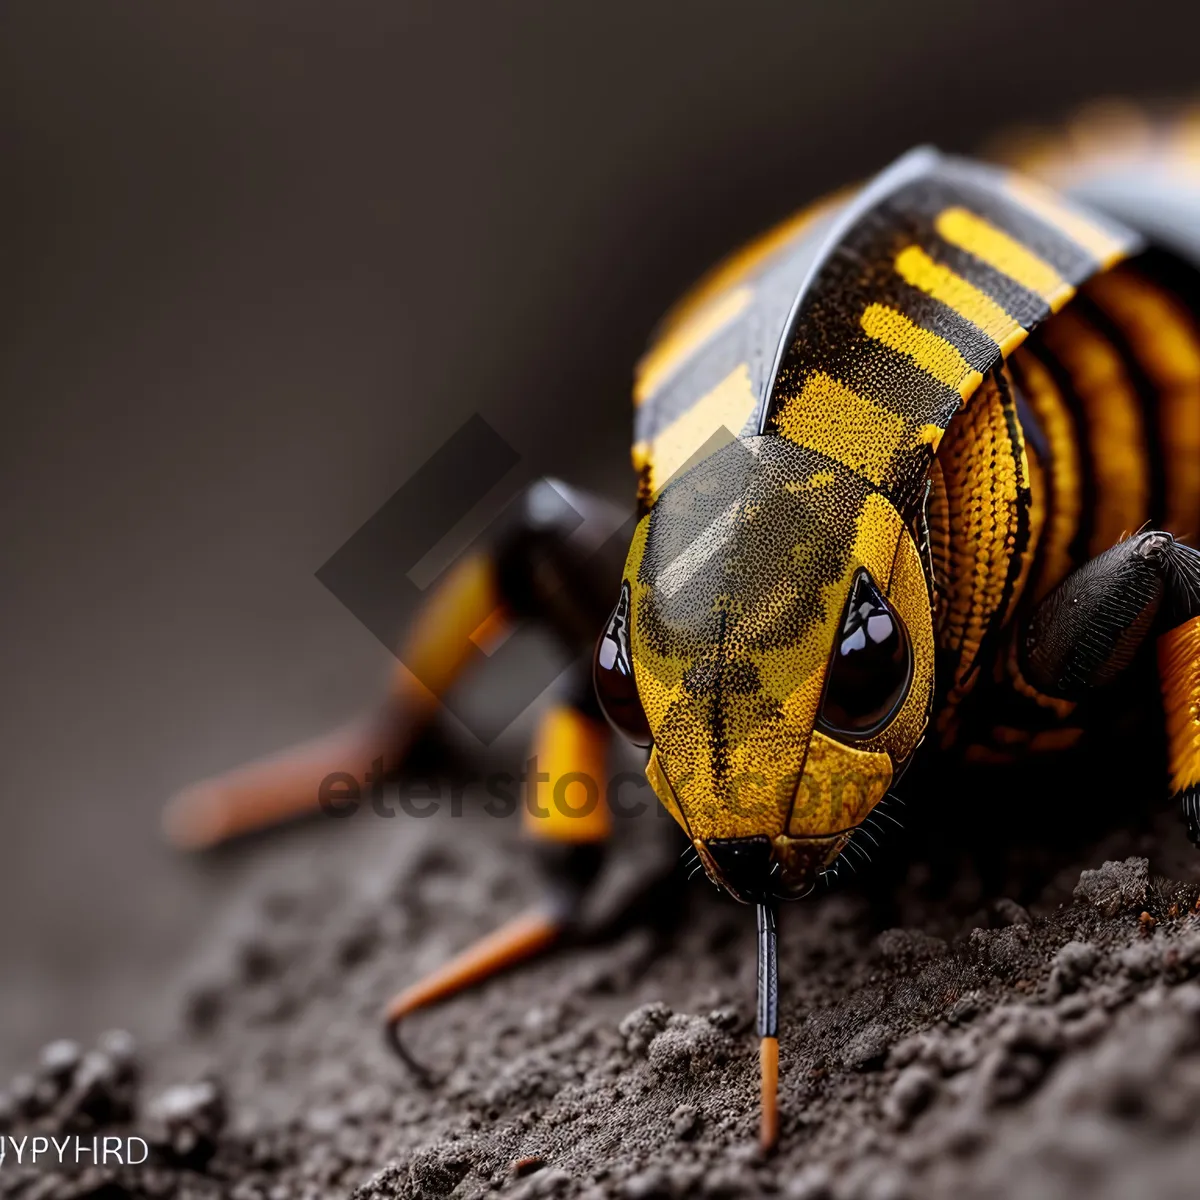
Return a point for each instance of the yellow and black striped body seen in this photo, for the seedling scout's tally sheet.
(952, 381)
(1105, 399)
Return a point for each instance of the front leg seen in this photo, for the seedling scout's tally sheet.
(569, 823)
(544, 568)
(1086, 632)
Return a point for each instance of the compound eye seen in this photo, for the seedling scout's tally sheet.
(612, 671)
(871, 669)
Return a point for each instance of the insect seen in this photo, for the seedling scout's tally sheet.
(919, 465)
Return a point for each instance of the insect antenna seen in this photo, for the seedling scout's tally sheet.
(768, 1024)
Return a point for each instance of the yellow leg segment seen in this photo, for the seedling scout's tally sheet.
(567, 800)
(522, 938)
(1179, 676)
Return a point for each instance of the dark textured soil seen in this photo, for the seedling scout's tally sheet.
(1002, 1005)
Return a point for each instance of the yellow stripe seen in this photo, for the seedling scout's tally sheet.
(833, 420)
(727, 406)
(1042, 202)
(929, 351)
(1008, 256)
(1062, 473)
(1164, 337)
(915, 267)
(674, 348)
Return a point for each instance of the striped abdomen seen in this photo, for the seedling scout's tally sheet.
(1116, 378)
(1104, 401)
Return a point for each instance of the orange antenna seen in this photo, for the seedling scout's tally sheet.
(768, 1024)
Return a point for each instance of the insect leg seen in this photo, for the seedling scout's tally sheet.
(1179, 677)
(539, 569)
(1088, 630)
(568, 823)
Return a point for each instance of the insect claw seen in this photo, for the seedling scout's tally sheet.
(391, 1034)
(527, 934)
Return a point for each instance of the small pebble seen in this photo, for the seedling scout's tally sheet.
(640, 1027)
(1115, 887)
(1009, 912)
(120, 1047)
(965, 1008)
(868, 1048)
(910, 1095)
(102, 1091)
(685, 1120)
(551, 1183)
(185, 1122)
(1071, 965)
(646, 1185)
(59, 1059)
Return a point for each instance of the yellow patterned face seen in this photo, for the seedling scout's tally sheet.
(773, 645)
(778, 625)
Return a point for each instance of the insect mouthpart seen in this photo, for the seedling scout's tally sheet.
(758, 869)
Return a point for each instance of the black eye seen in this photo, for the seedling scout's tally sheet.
(612, 670)
(871, 666)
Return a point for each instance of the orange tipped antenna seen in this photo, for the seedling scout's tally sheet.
(524, 936)
(768, 1024)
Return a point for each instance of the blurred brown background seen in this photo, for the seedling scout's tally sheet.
(261, 259)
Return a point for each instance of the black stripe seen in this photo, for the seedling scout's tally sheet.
(713, 361)
(1087, 467)
(1019, 302)
(750, 338)
(1035, 436)
(1013, 424)
(824, 327)
(1063, 253)
(1021, 536)
(980, 351)
(983, 191)
(861, 364)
